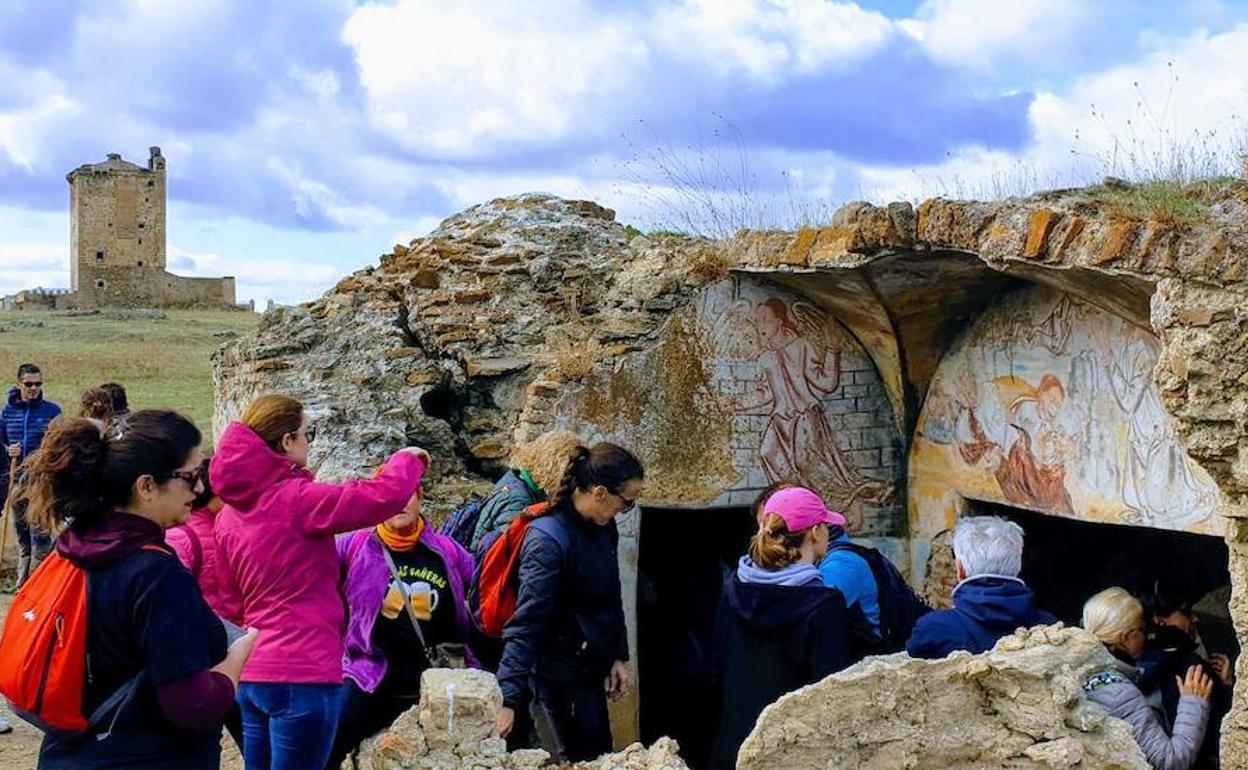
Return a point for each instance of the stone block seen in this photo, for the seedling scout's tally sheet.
(458, 707)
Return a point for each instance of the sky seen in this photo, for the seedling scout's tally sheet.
(305, 138)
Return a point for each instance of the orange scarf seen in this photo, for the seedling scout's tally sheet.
(396, 542)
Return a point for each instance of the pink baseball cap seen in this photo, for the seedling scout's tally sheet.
(801, 509)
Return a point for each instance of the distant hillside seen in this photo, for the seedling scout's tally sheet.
(162, 361)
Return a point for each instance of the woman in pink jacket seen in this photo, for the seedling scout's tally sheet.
(275, 540)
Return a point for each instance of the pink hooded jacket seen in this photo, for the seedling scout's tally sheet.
(196, 546)
(275, 541)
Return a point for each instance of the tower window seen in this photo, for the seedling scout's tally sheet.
(140, 261)
(151, 183)
(99, 256)
(141, 225)
(99, 283)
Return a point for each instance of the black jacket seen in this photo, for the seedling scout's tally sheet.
(1168, 653)
(569, 620)
(770, 640)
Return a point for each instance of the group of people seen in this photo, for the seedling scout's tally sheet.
(792, 616)
(238, 591)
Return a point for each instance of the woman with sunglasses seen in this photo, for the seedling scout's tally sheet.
(150, 634)
(566, 644)
(275, 542)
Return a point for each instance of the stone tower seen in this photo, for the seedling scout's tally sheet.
(117, 220)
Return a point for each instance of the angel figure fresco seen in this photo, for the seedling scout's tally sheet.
(1018, 435)
(1158, 483)
(799, 367)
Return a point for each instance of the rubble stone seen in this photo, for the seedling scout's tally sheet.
(1019, 705)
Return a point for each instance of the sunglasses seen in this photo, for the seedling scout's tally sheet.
(192, 478)
(309, 433)
(628, 506)
(31, 385)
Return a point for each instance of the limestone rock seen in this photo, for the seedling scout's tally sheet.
(458, 707)
(453, 729)
(1019, 705)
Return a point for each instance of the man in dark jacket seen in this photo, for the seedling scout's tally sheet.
(989, 601)
(23, 421)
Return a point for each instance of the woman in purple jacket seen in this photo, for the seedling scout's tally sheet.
(400, 575)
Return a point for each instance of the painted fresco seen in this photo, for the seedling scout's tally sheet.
(749, 386)
(1048, 403)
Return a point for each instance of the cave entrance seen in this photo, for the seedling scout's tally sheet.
(684, 557)
(1065, 561)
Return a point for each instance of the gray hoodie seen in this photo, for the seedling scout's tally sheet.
(792, 575)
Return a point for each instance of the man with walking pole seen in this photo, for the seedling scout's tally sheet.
(23, 421)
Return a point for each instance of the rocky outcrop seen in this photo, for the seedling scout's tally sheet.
(453, 729)
(455, 340)
(1019, 705)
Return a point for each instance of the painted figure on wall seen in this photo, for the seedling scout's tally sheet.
(799, 368)
(1029, 463)
(1157, 481)
(1049, 404)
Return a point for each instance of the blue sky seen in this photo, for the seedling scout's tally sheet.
(304, 138)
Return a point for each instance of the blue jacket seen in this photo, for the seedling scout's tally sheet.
(24, 423)
(985, 609)
(849, 573)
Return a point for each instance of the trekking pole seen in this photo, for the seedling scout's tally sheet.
(8, 510)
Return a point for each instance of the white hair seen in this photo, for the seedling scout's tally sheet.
(988, 545)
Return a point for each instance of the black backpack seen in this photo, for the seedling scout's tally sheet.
(461, 523)
(900, 606)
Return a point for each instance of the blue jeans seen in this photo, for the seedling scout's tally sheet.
(288, 726)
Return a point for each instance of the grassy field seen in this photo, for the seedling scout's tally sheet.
(162, 362)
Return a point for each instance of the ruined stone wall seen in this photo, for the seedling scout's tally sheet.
(474, 336)
(132, 286)
(747, 386)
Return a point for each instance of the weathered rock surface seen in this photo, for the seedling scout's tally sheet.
(453, 729)
(465, 341)
(1019, 705)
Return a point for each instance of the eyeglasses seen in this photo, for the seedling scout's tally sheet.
(192, 478)
(309, 433)
(628, 506)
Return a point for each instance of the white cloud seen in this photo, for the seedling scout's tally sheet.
(770, 40)
(452, 77)
(313, 199)
(977, 33)
(26, 265)
(1174, 113)
(285, 281)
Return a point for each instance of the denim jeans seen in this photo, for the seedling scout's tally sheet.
(288, 726)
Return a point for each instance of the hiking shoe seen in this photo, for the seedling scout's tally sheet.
(5, 727)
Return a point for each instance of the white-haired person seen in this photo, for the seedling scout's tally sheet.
(989, 601)
(1117, 619)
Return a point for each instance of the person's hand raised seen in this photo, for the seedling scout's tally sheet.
(1196, 683)
(421, 453)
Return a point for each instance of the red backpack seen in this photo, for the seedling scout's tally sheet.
(492, 599)
(43, 647)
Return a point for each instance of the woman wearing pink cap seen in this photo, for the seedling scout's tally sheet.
(779, 627)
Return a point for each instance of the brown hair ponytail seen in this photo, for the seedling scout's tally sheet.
(774, 546)
(78, 474)
(605, 464)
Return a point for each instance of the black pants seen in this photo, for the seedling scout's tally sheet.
(578, 711)
(364, 715)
